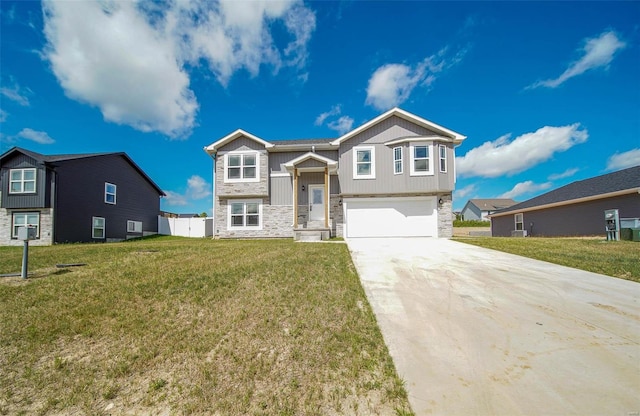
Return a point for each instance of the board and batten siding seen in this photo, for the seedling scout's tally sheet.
(39, 199)
(282, 187)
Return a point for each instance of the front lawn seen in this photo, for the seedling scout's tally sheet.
(191, 326)
(613, 258)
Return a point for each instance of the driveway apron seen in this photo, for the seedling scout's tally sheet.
(474, 331)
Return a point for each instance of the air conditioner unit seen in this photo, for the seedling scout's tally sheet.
(519, 233)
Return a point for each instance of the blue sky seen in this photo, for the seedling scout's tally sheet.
(547, 93)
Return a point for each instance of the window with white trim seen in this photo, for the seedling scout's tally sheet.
(442, 153)
(244, 215)
(364, 162)
(421, 162)
(97, 227)
(22, 181)
(110, 191)
(134, 226)
(242, 167)
(25, 219)
(397, 160)
(518, 221)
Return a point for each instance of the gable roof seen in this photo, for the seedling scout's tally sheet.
(622, 182)
(457, 138)
(50, 160)
(493, 204)
(213, 147)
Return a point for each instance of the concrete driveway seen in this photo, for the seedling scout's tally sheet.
(474, 331)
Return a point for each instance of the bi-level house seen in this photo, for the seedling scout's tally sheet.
(94, 197)
(392, 176)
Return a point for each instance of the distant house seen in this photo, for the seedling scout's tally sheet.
(393, 176)
(576, 209)
(93, 197)
(479, 209)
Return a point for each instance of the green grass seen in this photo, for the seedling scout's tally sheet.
(182, 326)
(614, 258)
(471, 223)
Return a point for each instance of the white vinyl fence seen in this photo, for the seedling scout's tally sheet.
(186, 227)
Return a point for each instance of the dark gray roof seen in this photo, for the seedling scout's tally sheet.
(611, 182)
(302, 141)
(492, 204)
(51, 159)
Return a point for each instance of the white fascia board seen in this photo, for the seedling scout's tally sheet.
(419, 139)
(456, 137)
(310, 155)
(213, 147)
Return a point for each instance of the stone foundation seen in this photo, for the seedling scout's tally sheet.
(46, 227)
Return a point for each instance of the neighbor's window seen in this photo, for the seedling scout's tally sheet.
(421, 161)
(364, 163)
(442, 149)
(518, 221)
(110, 193)
(245, 214)
(97, 228)
(134, 226)
(22, 181)
(397, 160)
(241, 167)
(25, 219)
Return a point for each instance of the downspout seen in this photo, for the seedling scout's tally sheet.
(213, 181)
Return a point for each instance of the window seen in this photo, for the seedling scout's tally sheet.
(22, 181)
(442, 149)
(97, 229)
(421, 161)
(245, 215)
(364, 166)
(110, 193)
(518, 221)
(25, 219)
(134, 227)
(397, 160)
(242, 167)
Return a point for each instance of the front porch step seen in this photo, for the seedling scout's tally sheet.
(315, 224)
(311, 235)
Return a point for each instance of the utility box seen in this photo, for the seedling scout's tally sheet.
(26, 233)
(635, 234)
(612, 224)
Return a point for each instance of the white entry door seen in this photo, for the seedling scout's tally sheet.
(316, 202)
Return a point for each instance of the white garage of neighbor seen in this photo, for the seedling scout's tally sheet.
(391, 217)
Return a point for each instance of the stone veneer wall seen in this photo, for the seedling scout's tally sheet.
(277, 221)
(445, 216)
(336, 216)
(46, 228)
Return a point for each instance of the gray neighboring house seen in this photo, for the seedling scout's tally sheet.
(392, 176)
(576, 209)
(480, 209)
(93, 197)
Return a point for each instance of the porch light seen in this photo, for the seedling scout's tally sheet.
(340, 201)
(303, 188)
(440, 201)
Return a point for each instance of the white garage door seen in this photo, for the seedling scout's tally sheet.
(391, 217)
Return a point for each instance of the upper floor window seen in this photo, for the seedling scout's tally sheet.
(397, 160)
(442, 150)
(22, 181)
(25, 219)
(518, 221)
(364, 166)
(421, 160)
(110, 193)
(242, 167)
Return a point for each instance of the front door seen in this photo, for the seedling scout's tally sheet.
(316, 202)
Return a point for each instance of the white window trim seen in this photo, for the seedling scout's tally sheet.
(14, 233)
(22, 180)
(398, 160)
(516, 222)
(244, 227)
(372, 175)
(103, 228)
(115, 194)
(412, 170)
(134, 227)
(441, 159)
(245, 152)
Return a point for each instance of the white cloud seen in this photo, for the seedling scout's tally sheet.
(197, 188)
(335, 110)
(3, 116)
(525, 187)
(35, 136)
(566, 174)
(624, 160)
(130, 59)
(392, 84)
(464, 192)
(597, 52)
(505, 157)
(17, 94)
(341, 125)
